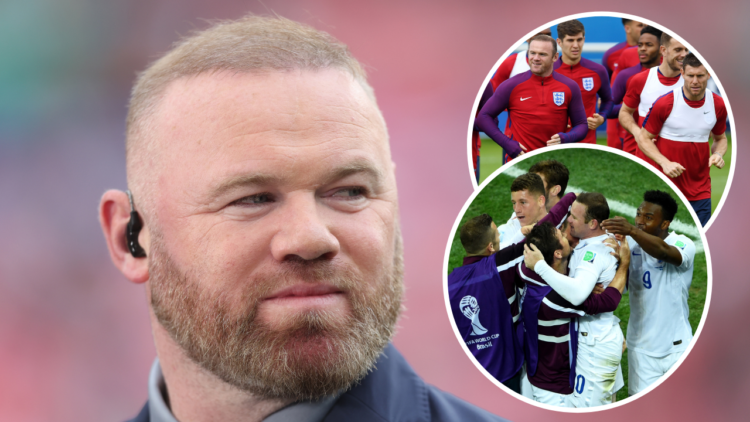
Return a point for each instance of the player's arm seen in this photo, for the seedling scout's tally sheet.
(577, 114)
(630, 102)
(559, 211)
(719, 146)
(486, 123)
(646, 143)
(627, 121)
(486, 95)
(652, 245)
(574, 290)
(718, 149)
(508, 253)
(605, 95)
(618, 93)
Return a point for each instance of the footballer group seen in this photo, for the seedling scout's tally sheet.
(653, 93)
(534, 300)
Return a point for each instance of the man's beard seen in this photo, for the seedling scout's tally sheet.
(305, 355)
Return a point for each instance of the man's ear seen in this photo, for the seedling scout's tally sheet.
(664, 225)
(490, 248)
(541, 201)
(114, 215)
(554, 191)
(558, 254)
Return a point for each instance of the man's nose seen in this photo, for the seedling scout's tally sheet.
(304, 233)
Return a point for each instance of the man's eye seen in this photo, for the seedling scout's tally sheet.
(350, 193)
(260, 198)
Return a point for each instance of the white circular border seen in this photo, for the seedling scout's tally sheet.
(615, 15)
(709, 277)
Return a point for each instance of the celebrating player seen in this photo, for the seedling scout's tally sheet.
(661, 271)
(528, 197)
(644, 88)
(554, 175)
(592, 78)
(492, 337)
(539, 103)
(551, 340)
(649, 54)
(684, 118)
(486, 282)
(600, 338)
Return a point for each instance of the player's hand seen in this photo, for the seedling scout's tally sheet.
(624, 344)
(672, 169)
(554, 140)
(618, 225)
(612, 243)
(595, 121)
(531, 256)
(716, 160)
(598, 289)
(523, 149)
(525, 230)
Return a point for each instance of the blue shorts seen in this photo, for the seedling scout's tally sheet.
(702, 210)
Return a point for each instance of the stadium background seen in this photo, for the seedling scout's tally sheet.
(75, 342)
(623, 182)
(602, 32)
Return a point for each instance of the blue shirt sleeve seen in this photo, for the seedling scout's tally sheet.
(605, 93)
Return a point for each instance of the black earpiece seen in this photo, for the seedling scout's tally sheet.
(134, 227)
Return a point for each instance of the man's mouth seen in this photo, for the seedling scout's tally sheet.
(307, 295)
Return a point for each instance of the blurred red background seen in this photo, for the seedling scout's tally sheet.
(75, 341)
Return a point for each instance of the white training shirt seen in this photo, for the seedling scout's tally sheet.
(688, 124)
(593, 256)
(659, 322)
(653, 89)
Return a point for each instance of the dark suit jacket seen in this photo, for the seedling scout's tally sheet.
(393, 393)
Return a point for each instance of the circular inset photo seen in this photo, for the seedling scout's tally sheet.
(615, 80)
(577, 278)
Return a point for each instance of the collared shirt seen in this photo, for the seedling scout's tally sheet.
(299, 412)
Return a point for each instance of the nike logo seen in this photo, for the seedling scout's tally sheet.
(705, 112)
(524, 99)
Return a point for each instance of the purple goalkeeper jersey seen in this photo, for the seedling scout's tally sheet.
(551, 335)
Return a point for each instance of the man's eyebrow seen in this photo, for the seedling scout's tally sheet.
(260, 179)
(244, 180)
(354, 168)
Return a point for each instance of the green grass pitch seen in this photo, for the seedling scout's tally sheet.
(618, 179)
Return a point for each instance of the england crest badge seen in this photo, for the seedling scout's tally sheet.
(558, 98)
(588, 84)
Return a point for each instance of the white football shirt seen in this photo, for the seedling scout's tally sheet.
(593, 256)
(659, 323)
